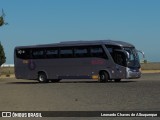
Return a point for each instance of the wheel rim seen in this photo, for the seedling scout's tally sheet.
(41, 78)
(102, 77)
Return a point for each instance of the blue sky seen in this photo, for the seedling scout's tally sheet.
(48, 21)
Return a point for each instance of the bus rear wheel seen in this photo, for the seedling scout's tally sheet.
(42, 78)
(103, 76)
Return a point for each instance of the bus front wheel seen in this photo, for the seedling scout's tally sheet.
(42, 78)
(103, 76)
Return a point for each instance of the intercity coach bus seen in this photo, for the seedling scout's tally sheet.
(102, 60)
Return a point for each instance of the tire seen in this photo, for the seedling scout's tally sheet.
(117, 80)
(103, 77)
(42, 78)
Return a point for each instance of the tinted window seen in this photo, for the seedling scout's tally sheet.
(52, 53)
(66, 52)
(111, 48)
(97, 51)
(38, 53)
(23, 53)
(81, 52)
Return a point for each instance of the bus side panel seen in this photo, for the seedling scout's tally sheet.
(23, 70)
(71, 67)
(67, 68)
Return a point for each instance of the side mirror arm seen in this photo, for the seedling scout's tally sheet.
(141, 53)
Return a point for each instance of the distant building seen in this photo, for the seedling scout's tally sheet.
(7, 65)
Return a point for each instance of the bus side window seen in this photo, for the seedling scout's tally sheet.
(38, 53)
(119, 58)
(97, 51)
(66, 53)
(111, 49)
(81, 52)
(52, 53)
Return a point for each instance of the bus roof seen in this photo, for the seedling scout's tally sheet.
(81, 42)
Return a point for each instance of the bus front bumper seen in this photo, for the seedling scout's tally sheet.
(133, 73)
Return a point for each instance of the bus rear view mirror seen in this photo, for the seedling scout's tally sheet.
(139, 51)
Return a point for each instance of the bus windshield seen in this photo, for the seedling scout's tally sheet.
(133, 58)
(126, 56)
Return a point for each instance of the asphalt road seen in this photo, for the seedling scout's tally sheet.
(129, 95)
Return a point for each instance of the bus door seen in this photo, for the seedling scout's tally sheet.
(120, 58)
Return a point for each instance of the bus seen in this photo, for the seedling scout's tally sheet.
(102, 60)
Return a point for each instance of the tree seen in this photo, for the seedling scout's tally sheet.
(2, 21)
(2, 55)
